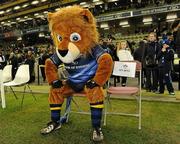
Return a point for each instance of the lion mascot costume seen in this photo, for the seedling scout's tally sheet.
(75, 36)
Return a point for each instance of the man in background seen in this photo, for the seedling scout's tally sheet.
(151, 50)
(176, 34)
(3, 61)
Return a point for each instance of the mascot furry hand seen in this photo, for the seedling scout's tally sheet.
(75, 36)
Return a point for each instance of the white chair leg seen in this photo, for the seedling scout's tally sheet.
(105, 113)
(140, 112)
(107, 101)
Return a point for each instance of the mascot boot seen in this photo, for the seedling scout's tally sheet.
(89, 66)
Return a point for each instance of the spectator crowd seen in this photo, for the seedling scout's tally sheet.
(155, 55)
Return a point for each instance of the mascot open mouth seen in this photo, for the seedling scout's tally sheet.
(63, 52)
(69, 55)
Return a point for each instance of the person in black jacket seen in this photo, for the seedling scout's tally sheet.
(138, 55)
(150, 62)
(165, 58)
(42, 59)
(13, 60)
(30, 60)
(3, 60)
(176, 34)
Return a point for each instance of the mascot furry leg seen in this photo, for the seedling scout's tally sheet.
(74, 33)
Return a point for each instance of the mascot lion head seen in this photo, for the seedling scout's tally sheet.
(74, 32)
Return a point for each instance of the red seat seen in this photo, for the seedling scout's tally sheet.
(123, 90)
(120, 69)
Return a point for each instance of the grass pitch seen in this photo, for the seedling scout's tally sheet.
(160, 123)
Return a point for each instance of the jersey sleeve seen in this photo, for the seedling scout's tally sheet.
(97, 52)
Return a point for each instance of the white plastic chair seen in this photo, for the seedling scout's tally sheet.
(7, 73)
(22, 77)
(7, 76)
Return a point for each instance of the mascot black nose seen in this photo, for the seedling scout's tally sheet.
(63, 52)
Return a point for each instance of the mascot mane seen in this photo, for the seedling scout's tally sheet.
(73, 19)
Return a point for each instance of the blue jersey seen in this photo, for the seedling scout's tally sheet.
(82, 69)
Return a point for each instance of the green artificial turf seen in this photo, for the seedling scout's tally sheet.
(160, 123)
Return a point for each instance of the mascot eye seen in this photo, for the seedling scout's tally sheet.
(59, 37)
(74, 37)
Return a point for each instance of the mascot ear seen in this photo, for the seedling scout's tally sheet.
(49, 17)
(87, 15)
